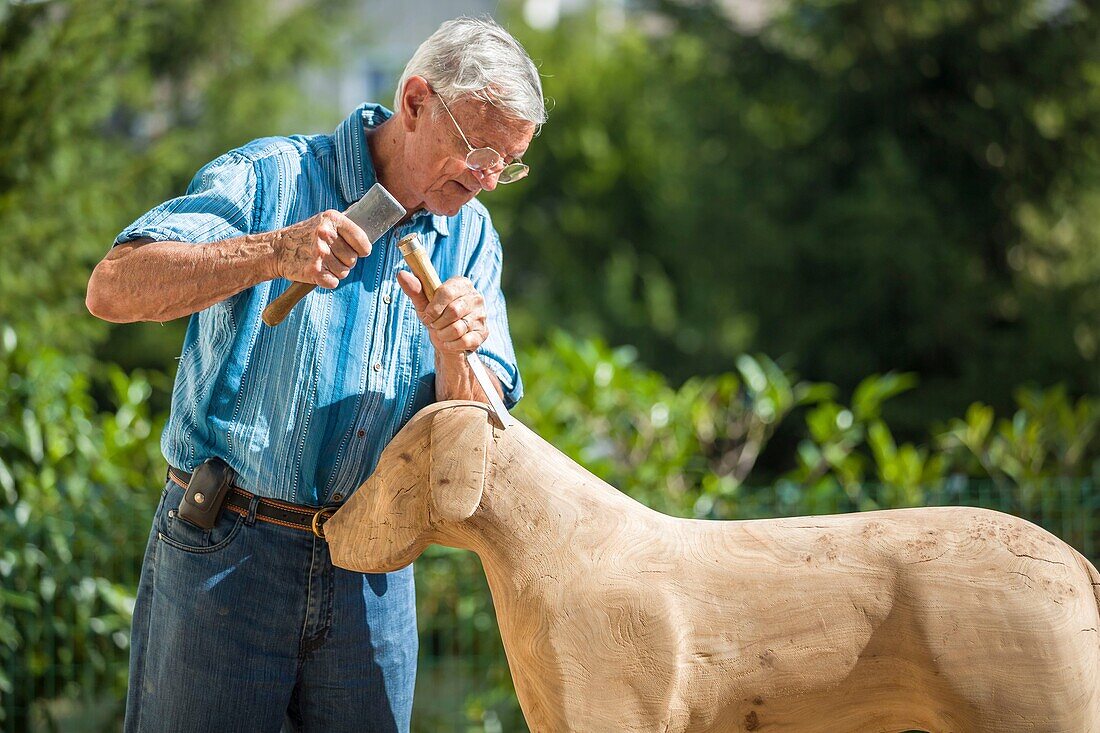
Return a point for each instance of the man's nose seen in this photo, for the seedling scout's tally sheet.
(488, 179)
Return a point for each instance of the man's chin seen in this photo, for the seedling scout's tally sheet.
(449, 208)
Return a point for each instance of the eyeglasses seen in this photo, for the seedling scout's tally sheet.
(484, 161)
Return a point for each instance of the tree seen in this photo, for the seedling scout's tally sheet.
(109, 107)
(855, 187)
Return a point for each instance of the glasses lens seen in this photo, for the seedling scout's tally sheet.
(482, 159)
(513, 173)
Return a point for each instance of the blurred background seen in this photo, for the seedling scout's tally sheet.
(774, 257)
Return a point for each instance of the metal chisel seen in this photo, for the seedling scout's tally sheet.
(417, 258)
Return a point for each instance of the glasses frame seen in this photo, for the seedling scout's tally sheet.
(508, 173)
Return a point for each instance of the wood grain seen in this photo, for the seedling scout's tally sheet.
(278, 309)
(617, 618)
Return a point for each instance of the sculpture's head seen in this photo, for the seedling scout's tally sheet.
(431, 476)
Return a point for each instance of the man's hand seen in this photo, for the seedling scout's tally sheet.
(455, 317)
(320, 250)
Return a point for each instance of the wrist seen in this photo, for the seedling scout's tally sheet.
(450, 360)
(268, 247)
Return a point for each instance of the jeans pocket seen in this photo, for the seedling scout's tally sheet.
(188, 537)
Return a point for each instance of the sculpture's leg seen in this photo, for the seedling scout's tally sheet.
(619, 674)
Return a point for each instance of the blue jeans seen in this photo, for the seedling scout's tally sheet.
(249, 627)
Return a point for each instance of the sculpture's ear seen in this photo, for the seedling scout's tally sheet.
(458, 462)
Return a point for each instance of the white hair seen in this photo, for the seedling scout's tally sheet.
(478, 58)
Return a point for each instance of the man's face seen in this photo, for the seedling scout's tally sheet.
(437, 158)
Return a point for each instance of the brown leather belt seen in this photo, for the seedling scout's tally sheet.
(297, 516)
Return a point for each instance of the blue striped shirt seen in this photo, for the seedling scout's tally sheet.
(303, 410)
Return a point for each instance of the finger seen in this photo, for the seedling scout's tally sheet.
(317, 270)
(455, 330)
(412, 287)
(469, 304)
(454, 312)
(460, 338)
(469, 342)
(326, 231)
(344, 252)
(326, 278)
(335, 266)
(353, 234)
(481, 327)
(450, 290)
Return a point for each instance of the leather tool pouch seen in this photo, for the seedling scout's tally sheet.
(205, 493)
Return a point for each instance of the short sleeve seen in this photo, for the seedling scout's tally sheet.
(218, 205)
(496, 351)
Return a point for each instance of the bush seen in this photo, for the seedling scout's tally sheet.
(861, 186)
(76, 490)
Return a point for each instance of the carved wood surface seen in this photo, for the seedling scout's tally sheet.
(617, 618)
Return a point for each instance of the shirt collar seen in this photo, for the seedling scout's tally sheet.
(437, 222)
(354, 169)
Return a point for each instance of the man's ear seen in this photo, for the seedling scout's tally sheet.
(414, 98)
(458, 462)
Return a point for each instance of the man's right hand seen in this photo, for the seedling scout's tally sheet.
(320, 250)
(144, 280)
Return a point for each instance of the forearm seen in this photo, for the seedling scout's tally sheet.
(455, 381)
(161, 281)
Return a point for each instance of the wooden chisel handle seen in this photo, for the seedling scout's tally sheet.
(278, 309)
(417, 258)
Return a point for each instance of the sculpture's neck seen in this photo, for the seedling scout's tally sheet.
(540, 530)
(538, 508)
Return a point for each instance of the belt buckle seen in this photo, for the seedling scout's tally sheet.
(318, 523)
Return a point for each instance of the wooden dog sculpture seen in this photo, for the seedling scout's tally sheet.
(618, 618)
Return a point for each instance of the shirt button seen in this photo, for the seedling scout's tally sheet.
(387, 299)
(361, 433)
(378, 367)
(337, 496)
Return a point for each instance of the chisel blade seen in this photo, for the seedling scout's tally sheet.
(490, 390)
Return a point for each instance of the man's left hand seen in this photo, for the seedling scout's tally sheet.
(455, 316)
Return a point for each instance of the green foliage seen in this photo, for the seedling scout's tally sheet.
(835, 433)
(76, 490)
(689, 450)
(108, 107)
(860, 187)
(463, 660)
(668, 447)
(1048, 436)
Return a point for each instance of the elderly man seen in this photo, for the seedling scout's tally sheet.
(247, 625)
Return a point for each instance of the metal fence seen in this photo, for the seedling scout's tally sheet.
(65, 654)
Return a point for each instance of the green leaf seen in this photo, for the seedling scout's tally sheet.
(875, 390)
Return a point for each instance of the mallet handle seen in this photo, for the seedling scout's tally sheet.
(278, 309)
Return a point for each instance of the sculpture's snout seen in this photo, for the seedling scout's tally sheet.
(431, 474)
